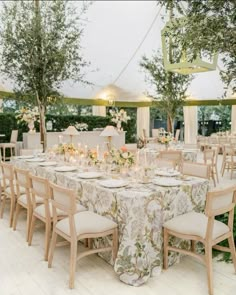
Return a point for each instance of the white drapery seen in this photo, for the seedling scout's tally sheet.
(190, 125)
(143, 121)
(99, 111)
(233, 119)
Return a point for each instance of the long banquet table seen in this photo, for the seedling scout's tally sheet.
(139, 210)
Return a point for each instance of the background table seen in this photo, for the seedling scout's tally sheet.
(139, 209)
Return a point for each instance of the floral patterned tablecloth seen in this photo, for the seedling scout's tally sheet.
(139, 210)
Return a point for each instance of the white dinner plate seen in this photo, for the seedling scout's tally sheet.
(25, 157)
(113, 183)
(36, 160)
(167, 173)
(90, 174)
(66, 168)
(167, 181)
(48, 164)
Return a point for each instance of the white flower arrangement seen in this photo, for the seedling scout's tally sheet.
(26, 115)
(81, 126)
(166, 138)
(119, 116)
(122, 157)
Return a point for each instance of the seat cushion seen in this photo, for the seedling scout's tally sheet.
(40, 210)
(87, 222)
(195, 224)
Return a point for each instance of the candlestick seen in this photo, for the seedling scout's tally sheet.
(60, 138)
(97, 151)
(145, 157)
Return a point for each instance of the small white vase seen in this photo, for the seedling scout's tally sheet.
(31, 127)
(118, 126)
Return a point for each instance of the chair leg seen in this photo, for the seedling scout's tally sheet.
(232, 250)
(208, 257)
(165, 241)
(193, 246)
(217, 176)
(4, 154)
(31, 232)
(73, 258)
(115, 244)
(3, 203)
(13, 203)
(16, 216)
(47, 239)
(52, 248)
(29, 217)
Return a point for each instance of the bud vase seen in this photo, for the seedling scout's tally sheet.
(31, 127)
(118, 126)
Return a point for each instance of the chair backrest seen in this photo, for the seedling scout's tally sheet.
(162, 163)
(222, 139)
(196, 169)
(232, 140)
(209, 156)
(63, 199)
(40, 189)
(177, 133)
(228, 150)
(175, 156)
(14, 135)
(8, 176)
(22, 181)
(220, 201)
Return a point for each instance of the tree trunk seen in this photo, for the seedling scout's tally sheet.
(170, 124)
(43, 130)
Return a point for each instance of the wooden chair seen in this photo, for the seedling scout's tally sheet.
(162, 163)
(9, 190)
(175, 156)
(229, 160)
(199, 227)
(77, 226)
(11, 145)
(196, 169)
(210, 157)
(41, 194)
(23, 201)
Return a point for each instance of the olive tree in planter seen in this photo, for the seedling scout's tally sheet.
(40, 49)
(168, 88)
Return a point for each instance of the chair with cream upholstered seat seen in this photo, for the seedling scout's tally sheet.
(10, 145)
(41, 194)
(77, 226)
(199, 227)
(9, 189)
(229, 160)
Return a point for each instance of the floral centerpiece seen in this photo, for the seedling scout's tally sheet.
(63, 148)
(118, 117)
(28, 116)
(121, 157)
(81, 126)
(165, 138)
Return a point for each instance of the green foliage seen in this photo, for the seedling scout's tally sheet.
(40, 49)
(211, 26)
(169, 88)
(222, 111)
(60, 123)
